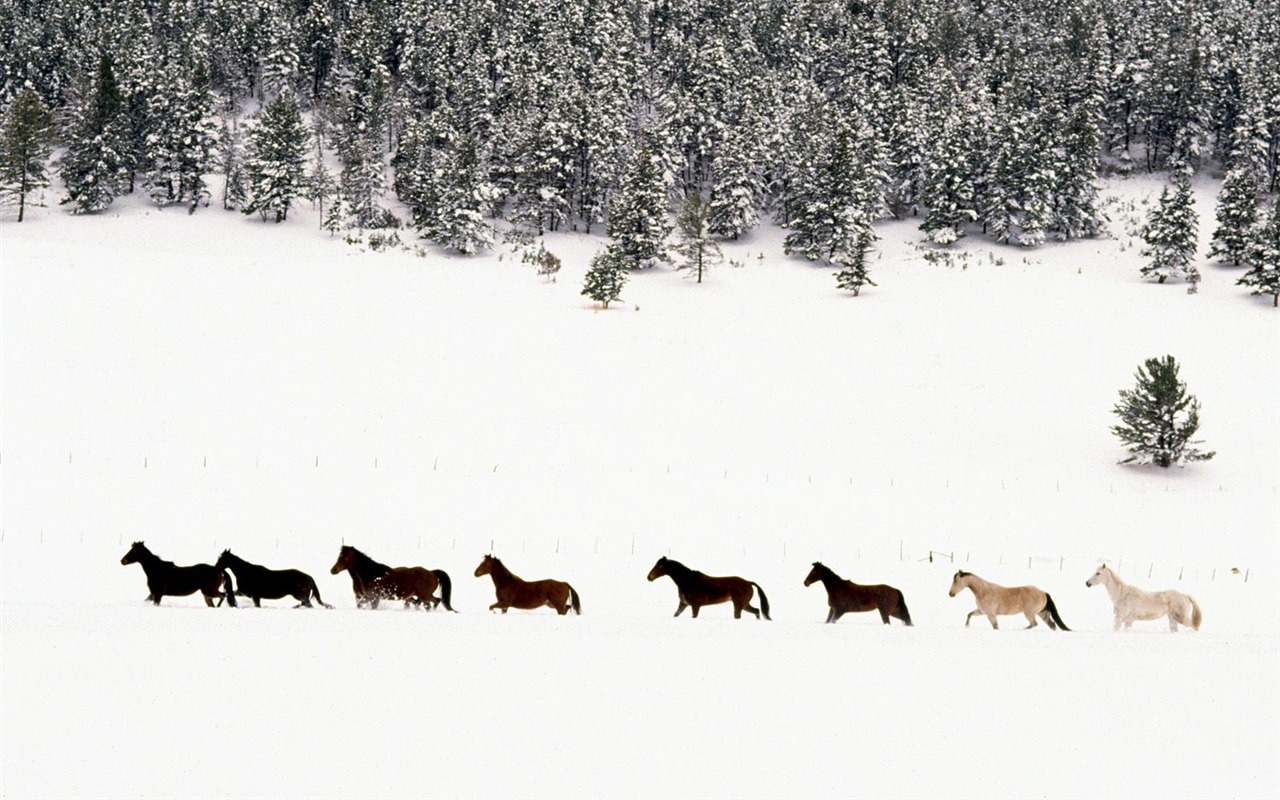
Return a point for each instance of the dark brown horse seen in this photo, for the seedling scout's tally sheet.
(514, 592)
(167, 578)
(844, 596)
(374, 582)
(259, 583)
(698, 590)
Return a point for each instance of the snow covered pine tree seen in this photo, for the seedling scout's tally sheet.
(1158, 417)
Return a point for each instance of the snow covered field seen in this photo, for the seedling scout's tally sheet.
(214, 382)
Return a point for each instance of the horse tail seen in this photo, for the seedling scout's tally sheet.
(1196, 616)
(446, 587)
(1053, 612)
(573, 601)
(764, 601)
(228, 589)
(905, 615)
(315, 592)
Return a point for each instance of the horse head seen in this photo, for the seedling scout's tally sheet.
(816, 573)
(345, 558)
(486, 565)
(135, 554)
(226, 559)
(958, 583)
(1103, 575)
(659, 569)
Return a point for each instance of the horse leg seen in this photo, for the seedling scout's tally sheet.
(831, 615)
(1173, 624)
(695, 611)
(884, 614)
(208, 601)
(1031, 619)
(750, 608)
(995, 626)
(683, 605)
(257, 602)
(977, 612)
(1119, 622)
(1048, 620)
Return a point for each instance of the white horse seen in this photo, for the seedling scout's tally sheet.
(1132, 603)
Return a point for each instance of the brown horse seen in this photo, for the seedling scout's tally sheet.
(258, 582)
(514, 592)
(167, 578)
(844, 596)
(374, 582)
(698, 590)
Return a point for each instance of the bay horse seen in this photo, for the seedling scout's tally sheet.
(514, 592)
(697, 589)
(259, 583)
(373, 581)
(844, 596)
(994, 599)
(1132, 603)
(167, 578)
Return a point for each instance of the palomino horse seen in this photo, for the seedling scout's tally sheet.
(257, 582)
(167, 578)
(845, 595)
(994, 599)
(513, 592)
(373, 582)
(1133, 603)
(698, 590)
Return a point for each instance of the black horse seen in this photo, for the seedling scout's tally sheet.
(698, 589)
(259, 583)
(167, 578)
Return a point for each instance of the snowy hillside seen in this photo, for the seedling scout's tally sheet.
(212, 381)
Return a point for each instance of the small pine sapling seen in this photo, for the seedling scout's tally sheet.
(1170, 234)
(697, 249)
(1158, 417)
(1263, 258)
(543, 260)
(606, 276)
(854, 273)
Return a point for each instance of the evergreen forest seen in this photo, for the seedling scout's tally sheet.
(986, 118)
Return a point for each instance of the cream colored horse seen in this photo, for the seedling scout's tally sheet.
(994, 600)
(1133, 603)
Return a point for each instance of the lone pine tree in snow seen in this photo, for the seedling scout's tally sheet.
(277, 159)
(697, 249)
(24, 146)
(605, 276)
(1158, 417)
(1264, 258)
(1170, 234)
(1237, 212)
(854, 274)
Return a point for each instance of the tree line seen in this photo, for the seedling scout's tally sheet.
(978, 117)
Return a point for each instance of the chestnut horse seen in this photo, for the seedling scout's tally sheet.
(514, 592)
(258, 582)
(698, 590)
(844, 596)
(167, 578)
(1132, 603)
(994, 599)
(374, 582)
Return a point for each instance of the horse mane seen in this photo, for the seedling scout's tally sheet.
(364, 562)
(675, 567)
(500, 568)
